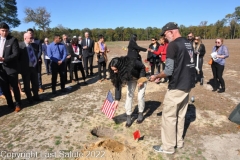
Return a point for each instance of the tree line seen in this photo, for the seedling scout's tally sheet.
(228, 27)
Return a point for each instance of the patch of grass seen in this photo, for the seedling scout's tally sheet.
(199, 152)
(57, 142)
(10, 145)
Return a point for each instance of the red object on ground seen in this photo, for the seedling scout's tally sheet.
(136, 134)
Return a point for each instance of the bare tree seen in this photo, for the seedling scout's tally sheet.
(40, 17)
(204, 25)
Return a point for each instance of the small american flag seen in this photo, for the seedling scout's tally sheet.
(107, 107)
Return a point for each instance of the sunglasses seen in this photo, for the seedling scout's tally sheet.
(190, 36)
(217, 42)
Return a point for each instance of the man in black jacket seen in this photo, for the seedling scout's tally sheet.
(88, 53)
(9, 51)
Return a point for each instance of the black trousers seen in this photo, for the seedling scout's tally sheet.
(89, 60)
(67, 67)
(74, 67)
(155, 63)
(40, 74)
(200, 64)
(30, 76)
(217, 71)
(58, 69)
(48, 65)
(5, 82)
(101, 68)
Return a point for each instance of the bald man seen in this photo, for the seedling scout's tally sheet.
(28, 59)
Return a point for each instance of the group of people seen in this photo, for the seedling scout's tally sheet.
(60, 56)
(181, 58)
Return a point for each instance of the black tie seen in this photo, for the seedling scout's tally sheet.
(87, 42)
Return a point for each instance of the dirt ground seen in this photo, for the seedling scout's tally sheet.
(61, 126)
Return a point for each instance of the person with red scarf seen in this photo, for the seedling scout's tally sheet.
(162, 53)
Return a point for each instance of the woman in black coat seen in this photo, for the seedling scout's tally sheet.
(199, 50)
(76, 60)
(130, 71)
(134, 49)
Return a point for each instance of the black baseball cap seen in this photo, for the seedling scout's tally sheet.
(169, 26)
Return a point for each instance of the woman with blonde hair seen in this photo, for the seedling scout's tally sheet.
(199, 50)
(218, 64)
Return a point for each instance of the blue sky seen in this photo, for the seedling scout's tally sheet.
(127, 13)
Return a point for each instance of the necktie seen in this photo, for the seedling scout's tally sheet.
(32, 56)
(1, 46)
(87, 41)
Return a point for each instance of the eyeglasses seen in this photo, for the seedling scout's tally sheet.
(189, 36)
(217, 42)
(153, 39)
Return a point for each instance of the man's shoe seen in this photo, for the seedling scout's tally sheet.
(38, 99)
(159, 149)
(91, 74)
(214, 89)
(221, 90)
(140, 118)
(40, 90)
(17, 109)
(30, 101)
(63, 90)
(54, 92)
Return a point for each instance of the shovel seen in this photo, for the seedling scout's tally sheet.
(197, 64)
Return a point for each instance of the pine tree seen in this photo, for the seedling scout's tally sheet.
(8, 13)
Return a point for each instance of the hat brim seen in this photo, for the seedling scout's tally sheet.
(162, 33)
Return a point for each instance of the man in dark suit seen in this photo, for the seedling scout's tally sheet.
(47, 60)
(88, 53)
(9, 51)
(34, 40)
(66, 42)
(28, 59)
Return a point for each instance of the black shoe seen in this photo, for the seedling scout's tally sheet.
(63, 90)
(127, 125)
(30, 101)
(38, 99)
(221, 90)
(54, 92)
(214, 89)
(85, 83)
(91, 74)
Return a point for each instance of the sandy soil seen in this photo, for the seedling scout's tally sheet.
(60, 127)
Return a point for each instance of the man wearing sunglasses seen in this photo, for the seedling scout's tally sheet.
(180, 69)
(9, 52)
(190, 37)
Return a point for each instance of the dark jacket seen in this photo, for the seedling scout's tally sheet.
(10, 55)
(90, 50)
(73, 55)
(24, 58)
(134, 49)
(151, 55)
(137, 72)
